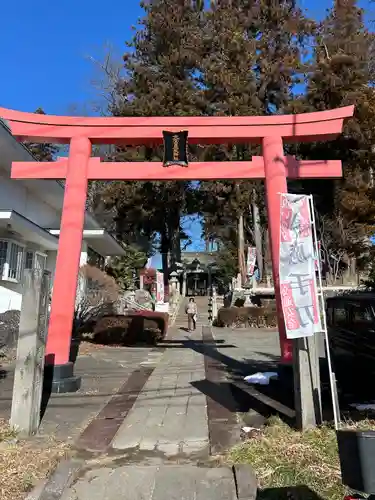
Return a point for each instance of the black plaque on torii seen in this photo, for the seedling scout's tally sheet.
(175, 148)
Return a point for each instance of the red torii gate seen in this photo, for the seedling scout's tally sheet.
(79, 167)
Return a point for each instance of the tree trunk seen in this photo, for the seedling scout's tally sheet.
(258, 236)
(164, 249)
(241, 249)
(175, 239)
(267, 255)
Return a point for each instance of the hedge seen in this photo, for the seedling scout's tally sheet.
(140, 327)
(247, 316)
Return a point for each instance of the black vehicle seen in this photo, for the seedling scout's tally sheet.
(351, 333)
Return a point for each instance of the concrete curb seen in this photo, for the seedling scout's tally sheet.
(37, 490)
(52, 488)
(246, 482)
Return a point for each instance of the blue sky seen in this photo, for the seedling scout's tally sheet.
(45, 47)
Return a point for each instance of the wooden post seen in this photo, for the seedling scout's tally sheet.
(28, 378)
(214, 303)
(307, 393)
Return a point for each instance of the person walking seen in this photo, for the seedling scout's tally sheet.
(192, 311)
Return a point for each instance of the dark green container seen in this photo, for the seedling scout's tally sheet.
(357, 459)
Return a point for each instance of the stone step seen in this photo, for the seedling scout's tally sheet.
(172, 482)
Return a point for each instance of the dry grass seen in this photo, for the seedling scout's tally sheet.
(283, 457)
(24, 463)
(87, 348)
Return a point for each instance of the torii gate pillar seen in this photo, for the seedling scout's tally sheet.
(81, 133)
(67, 268)
(276, 183)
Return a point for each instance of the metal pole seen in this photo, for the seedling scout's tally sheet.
(332, 377)
(210, 309)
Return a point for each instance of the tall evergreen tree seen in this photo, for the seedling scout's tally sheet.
(42, 152)
(253, 54)
(342, 76)
(160, 68)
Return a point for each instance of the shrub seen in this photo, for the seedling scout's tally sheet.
(135, 328)
(247, 316)
(9, 327)
(97, 294)
(239, 302)
(161, 318)
(268, 303)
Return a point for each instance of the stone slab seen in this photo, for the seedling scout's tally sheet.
(246, 482)
(63, 476)
(37, 490)
(169, 414)
(176, 483)
(172, 482)
(216, 484)
(130, 432)
(127, 483)
(190, 447)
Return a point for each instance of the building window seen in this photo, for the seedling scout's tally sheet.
(95, 259)
(3, 255)
(29, 260)
(40, 261)
(14, 259)
(35, 260)
(11, 260)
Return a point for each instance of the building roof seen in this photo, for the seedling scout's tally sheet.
(355, 296)
(52, 193)
(100, 240)
(15, 222)
(203, 260)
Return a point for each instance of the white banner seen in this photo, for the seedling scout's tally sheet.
(251, 260)
(159, 287)
(298, 285)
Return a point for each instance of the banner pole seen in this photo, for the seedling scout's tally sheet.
(332, 376)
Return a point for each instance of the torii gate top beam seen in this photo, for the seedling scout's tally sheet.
(303, 127)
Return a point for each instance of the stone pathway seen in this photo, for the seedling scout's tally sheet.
(170, 414)
(158, 432)
(165, 433)
(103, 370)
(152, 482)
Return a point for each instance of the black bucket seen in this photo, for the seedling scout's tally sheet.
(357, 459)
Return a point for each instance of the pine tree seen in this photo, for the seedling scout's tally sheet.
(252, 58)
(160, 67)
(342, 76)
(42, 152)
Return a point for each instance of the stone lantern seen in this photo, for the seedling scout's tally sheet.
(173, 282)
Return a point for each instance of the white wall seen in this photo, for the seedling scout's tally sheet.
(40, 201)
(11, 293)
(84, 254)
(51, 263)
(10, 296)
(23, 195)
(15, 196)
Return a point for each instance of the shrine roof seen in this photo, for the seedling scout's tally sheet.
(204, 258)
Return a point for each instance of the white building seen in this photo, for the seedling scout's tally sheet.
(30, 214)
